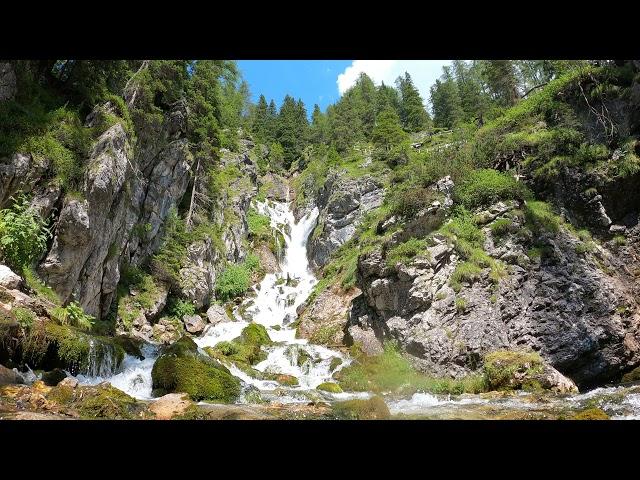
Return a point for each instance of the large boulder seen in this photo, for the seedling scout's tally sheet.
(182, 369)
(9, 377)
(8, 279)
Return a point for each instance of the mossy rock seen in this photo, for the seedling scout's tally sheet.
(199, 376)
(53, 377)
(591, 414)
(335, 363)
(632, 376)
(512, 370)
(372, 409)
(106, 401)
(132, 346)
(237, 352)
(61, 395)
(284, 379)
(49, 346)
(255, 334)
(329, 387)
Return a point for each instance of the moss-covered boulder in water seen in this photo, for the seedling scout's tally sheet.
(509, 370)
(329, 387)
(255, 334)
(94, 402)
(245, 350)
(632, 376)
(371, 409)
(591, 414)
(182, 369)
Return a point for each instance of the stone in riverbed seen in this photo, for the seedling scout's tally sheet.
(193, 323)
(9, 377)
(53, 377)
(329, 387)
(217, 314)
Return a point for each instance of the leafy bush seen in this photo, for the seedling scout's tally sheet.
(23, 234)
(178, 308)
(259, 225)
(411, 199)
(233, 282)
(485, 186)
(73, 315)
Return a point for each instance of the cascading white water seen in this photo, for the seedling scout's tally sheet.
(277, 298)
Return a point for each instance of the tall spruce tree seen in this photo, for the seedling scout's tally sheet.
(413, 115)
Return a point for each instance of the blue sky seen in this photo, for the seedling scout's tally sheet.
(324, 81)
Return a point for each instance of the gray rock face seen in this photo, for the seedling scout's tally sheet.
(276, 187)
(8, 87)
(564, 306)
(342, 203)
(8, 279)
(19, 172)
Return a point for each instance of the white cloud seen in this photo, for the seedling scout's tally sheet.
(423, 73)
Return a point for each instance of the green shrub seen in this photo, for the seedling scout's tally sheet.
(23, 234)
(464, 272)
(484, 187)
(73, 315)
(232, 282)
(509, 370)
(619, 240)
(178, 308)
(411, 199)
(405, 252)
(259, 225)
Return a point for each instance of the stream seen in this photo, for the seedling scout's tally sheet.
(273, 303)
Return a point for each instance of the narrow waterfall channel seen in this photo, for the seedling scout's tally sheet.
(273, 304)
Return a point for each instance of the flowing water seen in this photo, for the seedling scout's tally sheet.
(273, 303)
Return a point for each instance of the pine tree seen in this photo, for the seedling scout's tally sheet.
(445, 101)
(387, 97)
(388, 132)
(318, 129)
(260, 122)
(413, 115)
(502, 81)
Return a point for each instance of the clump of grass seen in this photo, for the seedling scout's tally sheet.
(391, 372)
(461, 305)
(405, 252)
(501, 227)
(486, 186)
(540, 217)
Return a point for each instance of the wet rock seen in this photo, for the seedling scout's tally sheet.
(69, 382)
(193, 323)
(8, 279)
(372, 409)
(9, 377)
(54, 377)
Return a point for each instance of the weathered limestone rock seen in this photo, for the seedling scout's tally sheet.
(8, 279)
(343, 202)
(217, 314)
(193, 323)
(170, 405)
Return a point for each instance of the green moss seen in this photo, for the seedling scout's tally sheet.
(192, 374)
(34, 283)
(335, 363)
(24, 317)
(259, 225)
(329, 387)
(591, 414)
(61, 394)
(105, 401)
(632, 376)
(372, 409)
(255, 334)
(511, 370)
(325, 334)
(619, 240)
